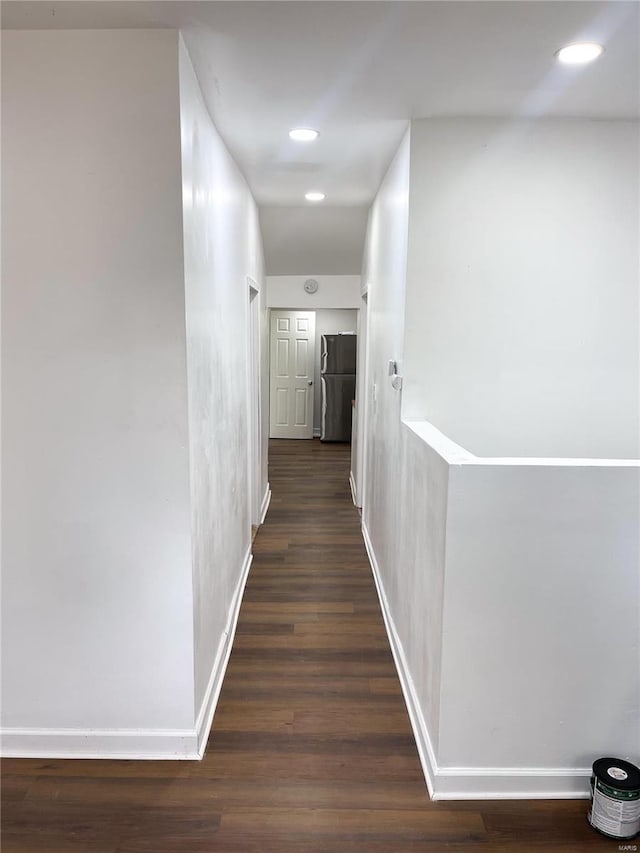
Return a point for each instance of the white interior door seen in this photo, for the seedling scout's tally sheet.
(293, 335)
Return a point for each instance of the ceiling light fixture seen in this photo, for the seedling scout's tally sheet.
(303, 134)
(578, 54)
(314, 196)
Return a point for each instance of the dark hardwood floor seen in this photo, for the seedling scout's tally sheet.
(311, 748)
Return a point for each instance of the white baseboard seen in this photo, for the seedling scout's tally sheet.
(138, 744)
(352, 483)
(214, 686)
(463, 783)
(511, 783)
(418, 723)
(317, 432)
(264, 506)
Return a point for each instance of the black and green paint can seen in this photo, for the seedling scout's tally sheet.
(615, 798)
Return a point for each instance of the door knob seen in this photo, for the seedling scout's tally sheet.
(310, 382)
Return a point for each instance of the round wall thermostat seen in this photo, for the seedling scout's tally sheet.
(311, 285)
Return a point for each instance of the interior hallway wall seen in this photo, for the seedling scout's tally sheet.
(385, 262)
(405, 497)
(446, 530)
(222, 246)
(522, 296)
(334, 291)
(96, 583)
(406, 482)
(129, 234)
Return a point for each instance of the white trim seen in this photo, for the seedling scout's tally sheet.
(214, 686)
(352, 483)
(470, 783)
(451, 452)
(317, 432)
(511, 783)
(454, 454)
(264, 506)
(138, 744)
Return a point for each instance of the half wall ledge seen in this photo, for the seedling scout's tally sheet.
(512, 591)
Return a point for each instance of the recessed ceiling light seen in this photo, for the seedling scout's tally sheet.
(314, 196)
(303, 134)
(578, 54)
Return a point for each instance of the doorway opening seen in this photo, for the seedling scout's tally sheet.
(329, 322)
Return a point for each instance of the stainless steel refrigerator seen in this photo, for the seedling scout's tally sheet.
(338, 382)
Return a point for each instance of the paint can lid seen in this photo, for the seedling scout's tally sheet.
(617, 773)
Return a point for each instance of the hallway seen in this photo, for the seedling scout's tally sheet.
(311, 748)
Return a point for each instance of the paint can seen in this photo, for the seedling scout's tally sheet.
(615, 798)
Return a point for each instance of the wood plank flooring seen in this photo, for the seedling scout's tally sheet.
(311, 748)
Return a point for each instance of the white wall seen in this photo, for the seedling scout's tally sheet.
(328, 322)
(385, 261)
(97, 606)
(522, 301)
(334, 291)
(129, 237)
(527, 569)
(222, 246)
(541, 618)
(404, 505)
(510, 587)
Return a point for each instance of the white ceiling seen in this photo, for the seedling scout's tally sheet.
(358, 71)
(316, 239)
